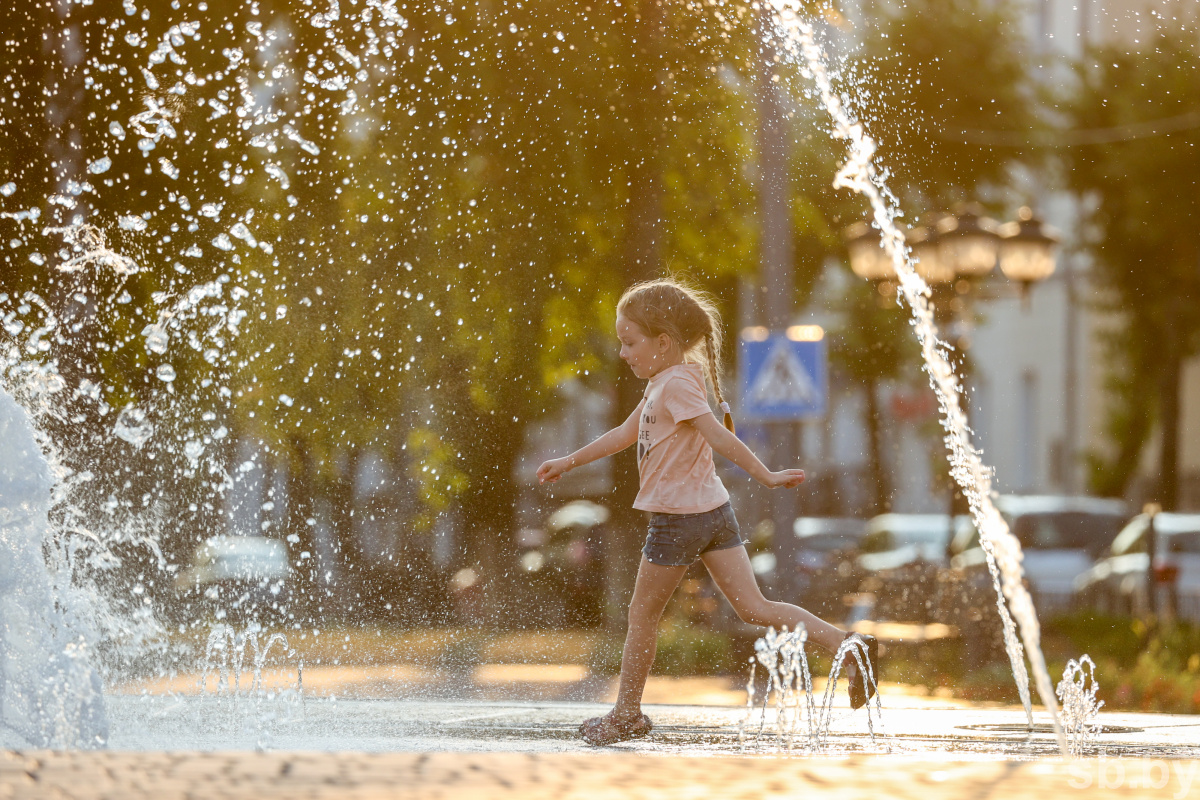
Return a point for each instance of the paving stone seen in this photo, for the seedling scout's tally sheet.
(527, 751)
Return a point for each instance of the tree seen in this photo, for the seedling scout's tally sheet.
(925, 91)
(873, 345)
(928, 86)
(1142, 237)
(375, 228)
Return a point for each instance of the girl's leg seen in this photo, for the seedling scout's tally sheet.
(731, 571)
(654, 587)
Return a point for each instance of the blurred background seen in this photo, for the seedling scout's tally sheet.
(358, 273)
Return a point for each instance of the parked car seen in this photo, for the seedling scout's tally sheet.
(825, 562)
(901, 558)
(1118, 582)
(1060, 536)
(564, 568)
(894, 540)
(239, 577)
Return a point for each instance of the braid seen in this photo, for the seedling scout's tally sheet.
(713, 346)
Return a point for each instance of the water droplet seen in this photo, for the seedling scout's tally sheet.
(100, 166)
(157, 339)
(242, 232)
(8, 189)
(131, 223)
(165, 373)
(278, 174)
(132, 426)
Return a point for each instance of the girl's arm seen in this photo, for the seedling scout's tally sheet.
(614, 441)
(728, 445)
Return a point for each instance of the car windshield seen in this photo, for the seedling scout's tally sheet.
(1067, 530)
(828, 542)
(1185, 542)
(252, 562)
(935, 536)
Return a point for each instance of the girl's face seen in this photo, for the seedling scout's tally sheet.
(646, 356)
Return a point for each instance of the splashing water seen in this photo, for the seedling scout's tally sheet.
(90, 250)
(177, 269)
(50, 693)
(230, 646)
(799, 42)
(782, 654)
(1080, 711)
(255, 706)
(117, 381)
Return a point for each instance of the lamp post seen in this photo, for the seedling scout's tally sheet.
(959, 255)
(966, 246)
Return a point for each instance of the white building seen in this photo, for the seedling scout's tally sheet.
(1038, 401)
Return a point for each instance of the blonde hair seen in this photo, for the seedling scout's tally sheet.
(687, 315)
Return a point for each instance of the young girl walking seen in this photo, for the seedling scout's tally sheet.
(671, 336)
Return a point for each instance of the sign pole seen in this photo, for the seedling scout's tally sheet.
(776, 282)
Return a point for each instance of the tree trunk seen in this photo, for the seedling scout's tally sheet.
(62, 48)
(641, 259)
(491, 511)
(880, 480)
(62, 143)
(323, 569)
(1168, 464)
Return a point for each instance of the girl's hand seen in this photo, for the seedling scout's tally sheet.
(787, 478)
(553, 469)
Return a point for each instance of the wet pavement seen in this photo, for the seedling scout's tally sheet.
(279, 745)
(287, 722)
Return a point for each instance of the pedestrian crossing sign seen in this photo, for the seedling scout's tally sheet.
(782, 378)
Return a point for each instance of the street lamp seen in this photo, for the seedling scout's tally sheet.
(867, 258)
(966, 245)
(1028, 252)
(967, 242)
(928, 258)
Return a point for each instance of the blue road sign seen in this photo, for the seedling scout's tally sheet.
(784, 379)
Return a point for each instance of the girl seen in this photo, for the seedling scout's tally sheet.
(663, 327)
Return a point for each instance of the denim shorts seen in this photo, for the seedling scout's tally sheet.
(677, 540)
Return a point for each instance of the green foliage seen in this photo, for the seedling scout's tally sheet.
(1138, 667)
(930, 84)
(1118, 638)
(684, 648)
(687, 649)
(874, 340)
(1140, 224)
(438, 207)
(433, 468)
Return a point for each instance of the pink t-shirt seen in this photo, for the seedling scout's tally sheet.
(675, 463)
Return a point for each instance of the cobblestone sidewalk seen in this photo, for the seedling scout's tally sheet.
(612, 774)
